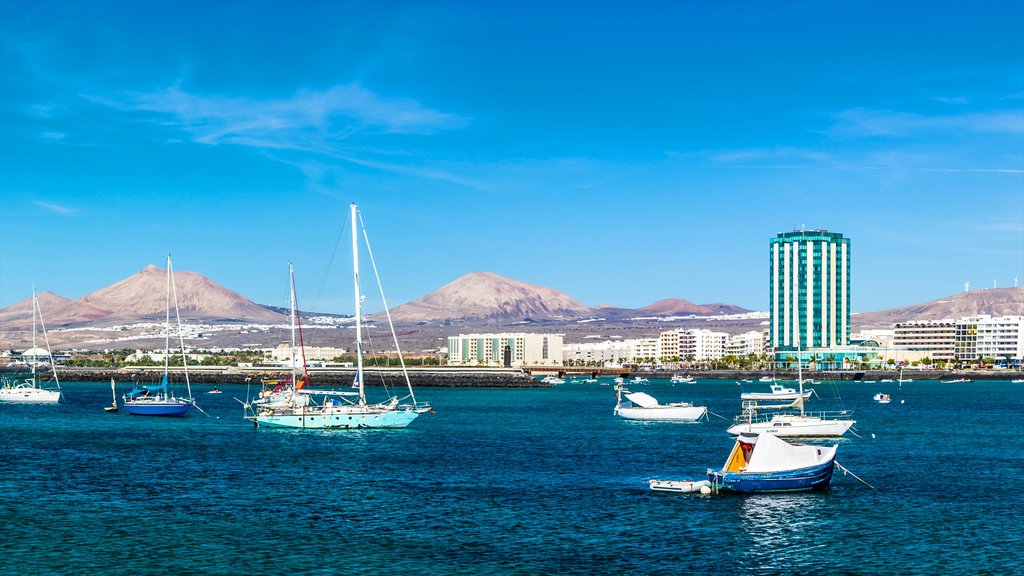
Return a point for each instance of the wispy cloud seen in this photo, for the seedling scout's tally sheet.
(303, 121)
(55, 208)
(861, 122)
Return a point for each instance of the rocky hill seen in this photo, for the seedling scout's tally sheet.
(487, 296)
(994, 302)
(142, 297)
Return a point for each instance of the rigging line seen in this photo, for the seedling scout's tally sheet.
(330, 264)
(181, 336)
(846, 470)
(391, 324)
(298, 324)
(718, 415)
(53, 369)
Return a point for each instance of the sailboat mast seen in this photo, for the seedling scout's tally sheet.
(291, 297)
(800, 375)
(35, 305)
(359, 307)
(167, 324)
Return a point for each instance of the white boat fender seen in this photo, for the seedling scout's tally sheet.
(705, 490)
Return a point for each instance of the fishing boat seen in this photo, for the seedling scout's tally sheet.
(113, 398)
(28, 390)
(677, 379)
(765, 463)
(800, 425)
(553, 380)
(766, 379)
(345, 409)
(643, 406)
(882, 398)
(778, 392)
(161, 400)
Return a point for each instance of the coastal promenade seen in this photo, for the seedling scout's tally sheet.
(851, 375)
(434, 376)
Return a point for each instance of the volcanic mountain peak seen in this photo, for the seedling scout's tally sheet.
(992, 301)
(489, 296)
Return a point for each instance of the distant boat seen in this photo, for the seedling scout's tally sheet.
(642, 406)
(214, 391)
(677, 379)
(766, 463)
(869, 381)
(1017, 381)
(160, 400)
(778, 392)
(27, 390)
(639, 380)
(766, 379)
(955, 381)
(552, 380)
(113, 398)
(882, 398)
(887, 380)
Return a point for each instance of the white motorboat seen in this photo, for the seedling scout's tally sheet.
(639, 380)
(778, 392)
(882, 398)
(27, 390)
(766, 379)
(643, 406)
(552, 380)
(677, 379)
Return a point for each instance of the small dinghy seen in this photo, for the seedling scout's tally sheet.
(681, 486)
(882, 398)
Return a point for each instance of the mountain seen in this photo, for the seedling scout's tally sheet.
(142, 297)
(680, 307)
(487, 296)
(994, 302)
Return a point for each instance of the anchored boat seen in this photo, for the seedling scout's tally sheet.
(643, 406)
(28, 390)
(766, 463)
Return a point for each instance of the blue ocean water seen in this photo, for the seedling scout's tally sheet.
(506, 481)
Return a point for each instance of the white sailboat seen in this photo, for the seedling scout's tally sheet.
(28, 391)
(800, 425)
(345, 409)
(161, 400)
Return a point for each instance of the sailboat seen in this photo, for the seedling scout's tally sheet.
(643, 406)
(159, 400)
(28, 391)
(284, 395)
(345, 409)
(113, 398)
(800, 425)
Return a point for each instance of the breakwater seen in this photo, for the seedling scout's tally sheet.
(332, 377)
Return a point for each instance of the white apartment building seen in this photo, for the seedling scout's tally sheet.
(702, 344)
(644, 348)
(985, 336)
(745, 344)
(668, 343)
(934, 337)
(597, 353)
(512, 349)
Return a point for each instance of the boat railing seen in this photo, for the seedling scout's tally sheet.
(756, 416)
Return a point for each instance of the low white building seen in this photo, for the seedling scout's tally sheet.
(512, 349)
(283, 352)
(933, 337)
(745, 344)
(606, 353)
(997, 337)
(702, 344)
(641, 348)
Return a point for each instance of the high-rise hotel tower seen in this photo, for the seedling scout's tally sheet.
(809, 290)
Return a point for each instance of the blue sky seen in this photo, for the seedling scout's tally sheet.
(621, 152)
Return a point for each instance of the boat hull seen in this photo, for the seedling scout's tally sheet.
(795, 427)
(27, 395)
(816, 477)
(769, 396)
(168, 409)
(663, 413)
(313, 419)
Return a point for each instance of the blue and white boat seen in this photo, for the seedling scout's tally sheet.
(765, 463)
(160, 400)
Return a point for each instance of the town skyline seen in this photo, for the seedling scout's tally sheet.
(645, 152)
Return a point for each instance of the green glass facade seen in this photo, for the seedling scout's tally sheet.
(809, 290)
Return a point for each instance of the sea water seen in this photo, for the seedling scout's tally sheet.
(507, 481)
